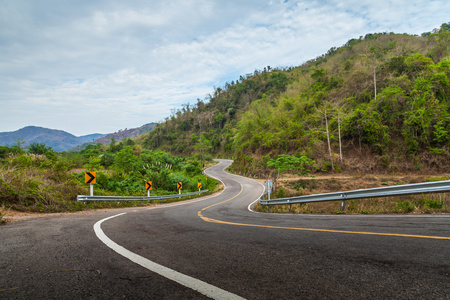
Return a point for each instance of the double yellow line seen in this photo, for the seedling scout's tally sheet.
(200, 214)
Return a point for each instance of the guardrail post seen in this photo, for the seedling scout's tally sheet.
(342, 205)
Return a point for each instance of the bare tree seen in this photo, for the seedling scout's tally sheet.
(199, 120)
(324, 115)
(375, 81)
(339, 111)
(340, 140)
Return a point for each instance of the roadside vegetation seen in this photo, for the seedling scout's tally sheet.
(37, 179)
(376, 106)
(3, 212)
(401, 205)
(290, 185)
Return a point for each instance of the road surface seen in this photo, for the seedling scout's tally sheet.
(215, 247)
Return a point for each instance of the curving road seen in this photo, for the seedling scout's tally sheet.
(216, 247)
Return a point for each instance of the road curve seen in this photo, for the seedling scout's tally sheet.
(222, 250)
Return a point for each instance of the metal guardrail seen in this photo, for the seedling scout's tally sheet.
(398, 190)
(81, 198)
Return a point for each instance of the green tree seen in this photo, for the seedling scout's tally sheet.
(17, 148)
(107, 159)
(39, 148)
(279, 81)
(415, 129)
(4, 151)
(220, 120)
(92, 150)
(445, 26)
(94, 164)
(126, 161)
(367, 127)
(285, 163)
(203, 147)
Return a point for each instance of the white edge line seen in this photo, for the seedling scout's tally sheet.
(185, 280)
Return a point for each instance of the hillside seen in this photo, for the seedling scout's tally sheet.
(59, 140)
(126, 133)
(379, 103)
(118, 136)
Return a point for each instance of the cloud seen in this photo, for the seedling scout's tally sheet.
(99, 66)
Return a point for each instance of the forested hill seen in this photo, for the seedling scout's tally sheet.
(378, 103)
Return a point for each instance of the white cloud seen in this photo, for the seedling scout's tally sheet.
(100, 66)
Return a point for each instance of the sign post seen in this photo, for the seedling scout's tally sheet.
(199, 186)
(268, 185)
(148, 187)
(179, 187)
(89, 178)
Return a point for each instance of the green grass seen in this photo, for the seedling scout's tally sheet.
(2, 215)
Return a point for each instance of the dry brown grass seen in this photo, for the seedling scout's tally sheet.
(413, 205)
(3, 212)
(418, 204)
(25, 182)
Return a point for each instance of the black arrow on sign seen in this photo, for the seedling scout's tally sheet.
(91, 179)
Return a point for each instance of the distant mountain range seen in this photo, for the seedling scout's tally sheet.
(126, 133)
(118, 136)
(61, 140)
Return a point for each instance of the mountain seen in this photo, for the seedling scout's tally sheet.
(378, 103)
(117, 136)
(90, 137)
(126, 133)
(59, 140)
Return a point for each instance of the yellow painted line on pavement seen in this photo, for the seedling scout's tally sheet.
(310, 229)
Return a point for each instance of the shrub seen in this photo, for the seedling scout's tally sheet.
(171, 184)
(433, 203)
(405, 206)
(281, 193)
(193, 168)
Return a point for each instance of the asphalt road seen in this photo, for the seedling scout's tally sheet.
(217, 248)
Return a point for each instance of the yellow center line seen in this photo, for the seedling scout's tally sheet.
(309, 229)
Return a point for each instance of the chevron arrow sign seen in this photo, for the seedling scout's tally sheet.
(89, 178)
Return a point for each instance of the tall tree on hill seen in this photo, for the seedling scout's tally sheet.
(324, 112)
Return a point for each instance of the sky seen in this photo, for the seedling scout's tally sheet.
(90, 66)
